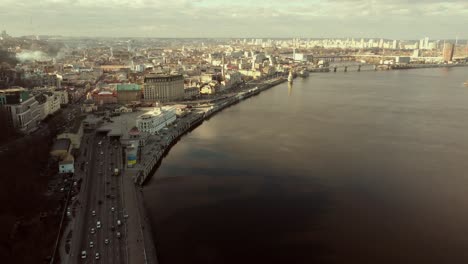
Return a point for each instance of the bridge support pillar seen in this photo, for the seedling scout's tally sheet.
(359, 68)
(334, 69)
(345, 68)
(375, 67)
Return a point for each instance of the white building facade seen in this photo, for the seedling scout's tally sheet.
(156, 119)
(25, 115)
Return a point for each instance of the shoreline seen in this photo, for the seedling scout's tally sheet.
(140, 175)
(141, 245)
(194, 120)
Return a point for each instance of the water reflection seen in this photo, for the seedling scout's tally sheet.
(362, 167)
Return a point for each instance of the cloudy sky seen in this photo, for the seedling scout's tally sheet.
(400, 19)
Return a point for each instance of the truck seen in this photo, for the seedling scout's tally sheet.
(116, 171)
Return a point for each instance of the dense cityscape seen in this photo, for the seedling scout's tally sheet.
(86, 121)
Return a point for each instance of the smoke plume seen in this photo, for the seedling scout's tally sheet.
(28, 55)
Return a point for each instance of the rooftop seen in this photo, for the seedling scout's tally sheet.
(61, 144)
(13, 90)
(128, 87)
(160, 75)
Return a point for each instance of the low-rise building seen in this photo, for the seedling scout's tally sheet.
(191, 92)
(104, 97)
(128, 93)
(155, 119)
(24, 110)
(62, 95)
(123, 109)
(61, 148)
(88, 106)
(67, 165)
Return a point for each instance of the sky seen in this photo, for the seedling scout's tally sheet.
(393, 19)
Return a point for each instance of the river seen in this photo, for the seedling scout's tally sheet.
(357, 167)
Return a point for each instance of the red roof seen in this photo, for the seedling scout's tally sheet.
(134, 131)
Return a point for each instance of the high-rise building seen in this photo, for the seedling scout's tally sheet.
(448, 51)
(381, 43)
(421, 44)
(161, 87)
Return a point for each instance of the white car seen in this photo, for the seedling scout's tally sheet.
(118, 222)
(112, 209)
(97, 256)
(98, 224)
(91, 244)
(106, 241)
(93, 231)
(93, 213)
(83, 254)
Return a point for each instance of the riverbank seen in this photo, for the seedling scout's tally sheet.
(158, 146)
(140, 243)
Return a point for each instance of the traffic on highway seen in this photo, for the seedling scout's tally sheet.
(100, 227)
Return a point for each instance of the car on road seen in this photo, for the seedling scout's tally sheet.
(83, 254)
(93, 230)
(112, 228)
(118, 222)
(112, 209)
(102, 153)
(106, 241)
(118, 234)
(93, 213)
(91, 244)
(98, 224)
(98, 256)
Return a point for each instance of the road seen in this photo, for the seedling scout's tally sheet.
(100, 192)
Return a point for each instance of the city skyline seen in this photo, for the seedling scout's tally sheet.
(224, 19)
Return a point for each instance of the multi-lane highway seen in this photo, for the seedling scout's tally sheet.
(100, 201)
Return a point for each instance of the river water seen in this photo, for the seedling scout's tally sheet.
(357, 167)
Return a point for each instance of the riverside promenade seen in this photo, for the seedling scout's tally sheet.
(140, 245)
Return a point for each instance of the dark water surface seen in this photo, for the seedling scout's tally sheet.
(368, 167)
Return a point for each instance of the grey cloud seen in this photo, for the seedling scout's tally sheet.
(185, 18)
